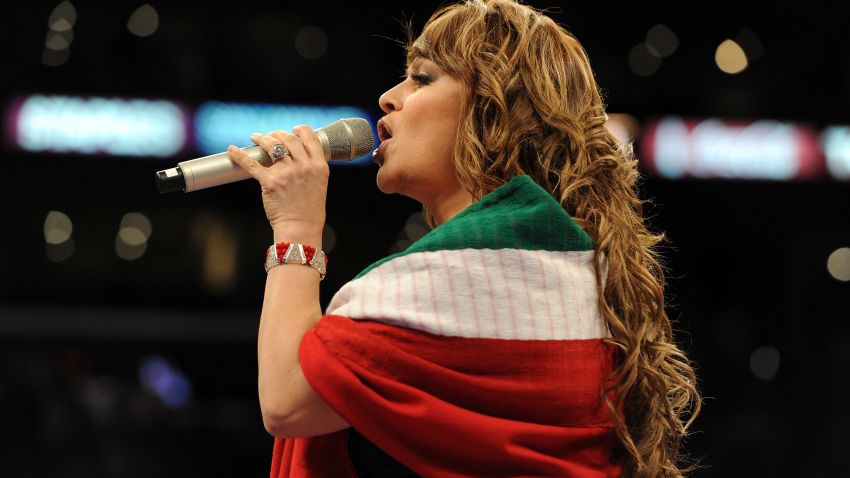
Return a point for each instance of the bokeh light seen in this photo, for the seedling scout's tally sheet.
(662, 40)
(59, 40)
(144, 21)
(730, 57)
(764, 362)
(60, 252)
(63, 17)
(414, 228)
(644, 59)
(838, 264)
(161, 378)
(311, 42)
(131, 242)
(218, 246)
(57, 227)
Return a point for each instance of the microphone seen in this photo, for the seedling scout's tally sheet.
(342, 140)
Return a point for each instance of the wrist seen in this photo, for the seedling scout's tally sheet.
(300, 233)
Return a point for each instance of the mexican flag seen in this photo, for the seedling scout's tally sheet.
(476, 352)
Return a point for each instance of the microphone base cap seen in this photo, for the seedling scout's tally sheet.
(170, 180)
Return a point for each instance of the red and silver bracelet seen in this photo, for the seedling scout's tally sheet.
(294, 253)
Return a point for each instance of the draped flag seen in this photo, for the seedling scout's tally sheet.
(477, 351)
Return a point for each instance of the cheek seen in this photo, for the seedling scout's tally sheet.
(434, 118)
(434, 132)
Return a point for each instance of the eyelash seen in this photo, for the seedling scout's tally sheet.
(420, 78)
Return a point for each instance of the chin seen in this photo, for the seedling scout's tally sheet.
(385, 185)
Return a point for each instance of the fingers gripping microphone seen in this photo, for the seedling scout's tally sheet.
(342, 140)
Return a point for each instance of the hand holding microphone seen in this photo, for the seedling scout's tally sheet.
(294, 187)
(292, 170)
(342, 140)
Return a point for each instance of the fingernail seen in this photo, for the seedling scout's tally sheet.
(231, 148)
(255, 134)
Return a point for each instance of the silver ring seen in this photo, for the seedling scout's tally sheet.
(279, 151)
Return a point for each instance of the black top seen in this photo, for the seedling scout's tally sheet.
(371, 462)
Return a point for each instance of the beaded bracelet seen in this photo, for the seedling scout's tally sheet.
(295, 253)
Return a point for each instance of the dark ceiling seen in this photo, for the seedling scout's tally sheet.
(246, 51)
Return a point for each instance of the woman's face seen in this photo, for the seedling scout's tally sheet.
(417, 137)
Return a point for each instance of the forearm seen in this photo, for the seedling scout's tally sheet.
(290, 308)
(294, 189)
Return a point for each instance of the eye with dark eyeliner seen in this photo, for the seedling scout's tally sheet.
(421, 78)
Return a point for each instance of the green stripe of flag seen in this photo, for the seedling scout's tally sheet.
(518, 215)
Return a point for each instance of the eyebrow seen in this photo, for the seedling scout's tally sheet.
(417, 60)
(416, 52)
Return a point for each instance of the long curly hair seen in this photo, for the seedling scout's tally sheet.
(534, 108)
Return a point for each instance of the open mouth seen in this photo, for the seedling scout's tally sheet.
(383, 131)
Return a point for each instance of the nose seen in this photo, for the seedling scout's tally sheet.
(391, 100)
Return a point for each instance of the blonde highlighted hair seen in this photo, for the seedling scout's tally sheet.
(534, 108)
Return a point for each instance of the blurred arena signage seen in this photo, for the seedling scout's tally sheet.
(674, 147)
(836, 148)
(218, 124)
(112, 126)
(130, 127)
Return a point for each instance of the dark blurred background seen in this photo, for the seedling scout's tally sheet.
(128, 319)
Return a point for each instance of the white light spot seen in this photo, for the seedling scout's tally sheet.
(57, 227)
(132, 236)
(764, 362)
(129, 252)
(137, 221)
(838, 264)
(730, 57)
(63, 17)
(61, 25)
(144, 21)
(58, 40)
(311, 42)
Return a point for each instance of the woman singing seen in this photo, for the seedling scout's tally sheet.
(526, 333)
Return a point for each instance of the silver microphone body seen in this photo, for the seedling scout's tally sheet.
(342, 140)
